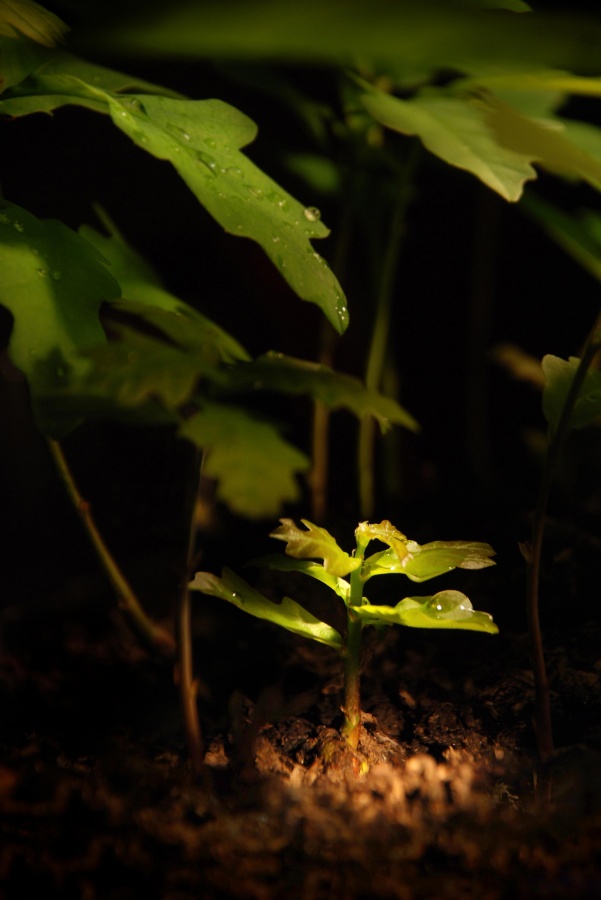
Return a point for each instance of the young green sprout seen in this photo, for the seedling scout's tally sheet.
(346, 575)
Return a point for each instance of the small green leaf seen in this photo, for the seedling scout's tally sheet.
(422, 562)
(388, 534)
(254, 466)
(559, 375)
(288, 614)
(314, 542)
(288, 375)
(447, 609)
(314, 570)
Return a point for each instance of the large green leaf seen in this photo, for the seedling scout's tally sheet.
(202, 139)
(314, 541)
(559, 375)
(447, 609)
(254, 466)
(149, 300)
(288, 375)
(53, 282)
(288, 614)
(411, 35)
(426, 561)
(457, 130)
(32, 20)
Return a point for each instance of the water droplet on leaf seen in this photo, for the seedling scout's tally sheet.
(312, 214)
(235, 171)
(4, 219)
(19, 227)
(210, 143)
(42, 272)
(208, 162)
(56, 275)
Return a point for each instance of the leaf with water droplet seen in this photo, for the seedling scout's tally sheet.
(446, 609)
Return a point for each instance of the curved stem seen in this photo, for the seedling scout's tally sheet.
(185, 674)
(533, 553)
(152, 634)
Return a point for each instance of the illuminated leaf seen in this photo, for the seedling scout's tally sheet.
(288, 614)
(446, 609)
(314, 542)
(306, 567)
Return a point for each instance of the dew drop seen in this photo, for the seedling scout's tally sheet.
(274, 197)
(56, 275)
(275, 239)
(207, 161)
(4, 219)
(235, 171)
(210, 143)
(312, 214)
(42, 272)
(19, 227)
(134, 103)
(256, 192)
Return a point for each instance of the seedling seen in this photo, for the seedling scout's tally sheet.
(446, 609)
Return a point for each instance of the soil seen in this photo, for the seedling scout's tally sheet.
(98, 801)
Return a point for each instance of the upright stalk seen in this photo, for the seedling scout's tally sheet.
(149, 632)
(185, 673)
(533, 553)
(351, 728)
(376, 359)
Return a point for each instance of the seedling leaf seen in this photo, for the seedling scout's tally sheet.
(446, 609)
(314, 542)
(314, 570)
(430, 560)
(559, 375)
(288, 614)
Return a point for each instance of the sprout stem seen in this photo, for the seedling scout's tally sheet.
(351, 728)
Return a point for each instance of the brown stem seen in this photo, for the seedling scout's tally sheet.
(185, 673)
(152, 634)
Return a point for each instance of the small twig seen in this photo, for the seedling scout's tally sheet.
(152, 634)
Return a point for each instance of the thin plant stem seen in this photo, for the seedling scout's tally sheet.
(150, 633)
(320, 436)
(185, 673)
(351, 729)
(376, 359)
(533, 554)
